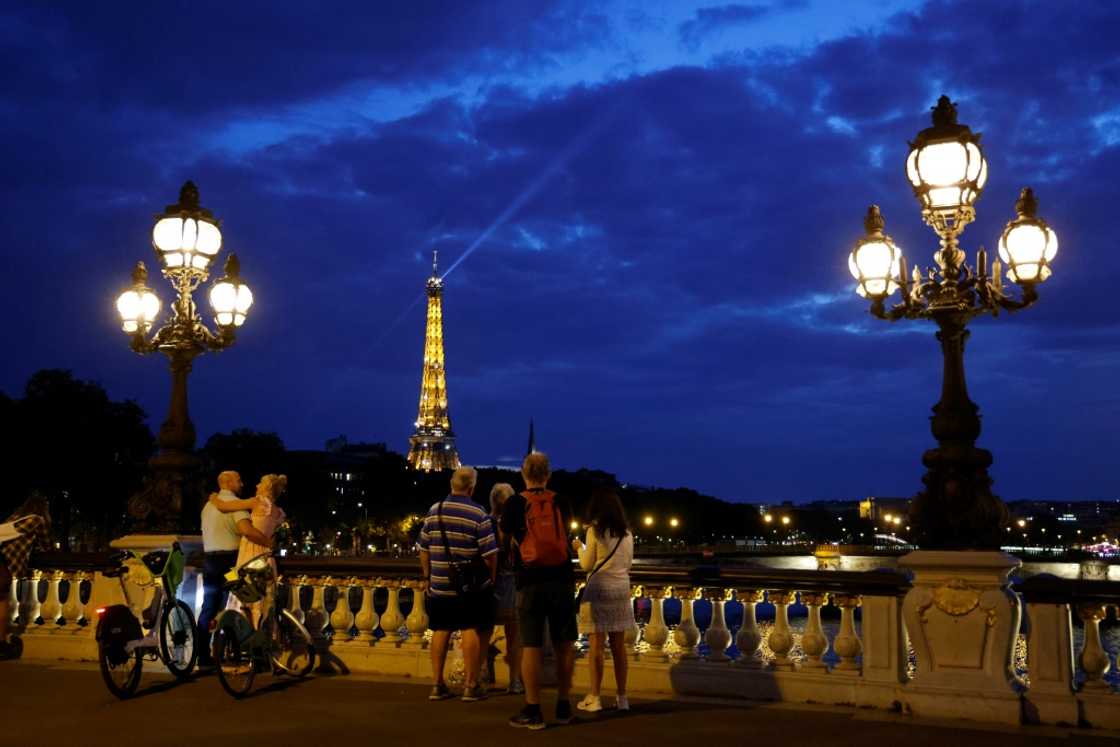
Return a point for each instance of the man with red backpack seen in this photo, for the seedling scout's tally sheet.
(536, 521)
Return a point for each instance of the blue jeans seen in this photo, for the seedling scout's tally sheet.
(215, 566)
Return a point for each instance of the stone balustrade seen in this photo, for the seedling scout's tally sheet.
(724, 631)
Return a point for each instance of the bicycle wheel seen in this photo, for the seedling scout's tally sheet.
(177, 639)
(120, 669)
(292, 649)
(233, 653)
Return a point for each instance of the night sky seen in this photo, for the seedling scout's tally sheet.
(662, 198)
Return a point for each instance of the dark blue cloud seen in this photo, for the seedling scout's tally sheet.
(671, 303)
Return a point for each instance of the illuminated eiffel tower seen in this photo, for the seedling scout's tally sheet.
(432, 446)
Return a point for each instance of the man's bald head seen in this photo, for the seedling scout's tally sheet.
(229, 480)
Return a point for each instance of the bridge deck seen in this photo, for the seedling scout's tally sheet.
(68, 704)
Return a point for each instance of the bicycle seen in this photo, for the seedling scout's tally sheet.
(122, 645)
(279, 642)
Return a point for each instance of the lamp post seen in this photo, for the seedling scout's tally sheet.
(947, 171)
(187, 239)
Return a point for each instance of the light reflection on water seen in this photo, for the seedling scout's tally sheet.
(733, 612)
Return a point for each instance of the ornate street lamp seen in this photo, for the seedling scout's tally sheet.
(947, 170)
(187, 239)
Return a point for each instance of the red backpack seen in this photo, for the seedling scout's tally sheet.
(546, 541)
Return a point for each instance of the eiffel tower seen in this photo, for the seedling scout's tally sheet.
(432, 446)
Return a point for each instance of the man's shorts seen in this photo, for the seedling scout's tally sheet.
(474, 611)
(553, 602)
(5, 582)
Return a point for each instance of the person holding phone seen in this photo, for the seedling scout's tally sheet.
(607, 611)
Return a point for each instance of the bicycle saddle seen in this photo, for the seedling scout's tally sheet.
(155, 561)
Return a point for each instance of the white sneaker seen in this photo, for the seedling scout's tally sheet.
(590, 703)
(622, 703)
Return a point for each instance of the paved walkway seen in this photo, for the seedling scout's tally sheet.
(68, 704)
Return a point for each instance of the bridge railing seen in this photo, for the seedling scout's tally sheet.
(700, 629)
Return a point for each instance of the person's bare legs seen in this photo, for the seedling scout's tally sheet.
(595, 657)
(620, 661)
(513, 651)
(472, 657)
(484, 637)
(440, 640)
(565, 664)
(531, 658)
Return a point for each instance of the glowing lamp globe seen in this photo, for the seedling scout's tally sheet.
(138, 306)
(186, 236)
(230, 297)
(875, 261)
(946, 167)
(1028, 245)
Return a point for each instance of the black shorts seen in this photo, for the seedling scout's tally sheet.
(474, 611)
(553, 602)
(5, 582)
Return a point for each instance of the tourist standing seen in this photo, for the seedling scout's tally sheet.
(537, 522)
(458, 556)
(28, 527)
(607, 611)
(505, 589)
(221, 536)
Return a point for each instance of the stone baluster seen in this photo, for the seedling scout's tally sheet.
(656, 633)
(749, 638)
(13, 602)
(813, 641)
(718, 636)
(51, 611)
(847, 644)
(417, 620)
(317, 618)
(781, 638)
(72, 611)
(392, 620)
(342, 619)
(367, 618)
(633, 632)
(29, 606)
(1093, 659)
(295, 606)
(687, 635)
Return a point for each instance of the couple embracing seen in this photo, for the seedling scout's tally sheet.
(234, 531)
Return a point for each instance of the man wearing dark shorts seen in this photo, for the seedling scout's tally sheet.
(458, 529)
(545, 594)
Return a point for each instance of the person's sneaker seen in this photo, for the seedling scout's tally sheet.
(517, 687)
(622, 703)
(7, 650)
(477, 692)
(590, 703)
(440, 692)
(528, 717)
(564, 711)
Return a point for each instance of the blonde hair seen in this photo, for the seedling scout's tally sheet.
(499, 494)
(275, 485)
(463, 480)
(535, 468)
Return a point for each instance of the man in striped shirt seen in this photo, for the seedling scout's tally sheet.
(458, 530)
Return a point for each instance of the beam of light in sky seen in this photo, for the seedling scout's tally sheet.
(555, 166)
(559, 162)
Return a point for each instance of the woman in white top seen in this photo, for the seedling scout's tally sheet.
(607, 611)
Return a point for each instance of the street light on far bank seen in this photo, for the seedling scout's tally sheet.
(648, 521)
(674, 522)
(187, 239)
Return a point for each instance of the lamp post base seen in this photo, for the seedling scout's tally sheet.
(171, 496)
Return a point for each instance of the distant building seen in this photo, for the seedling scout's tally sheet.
(883, 511)
(432, 446)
